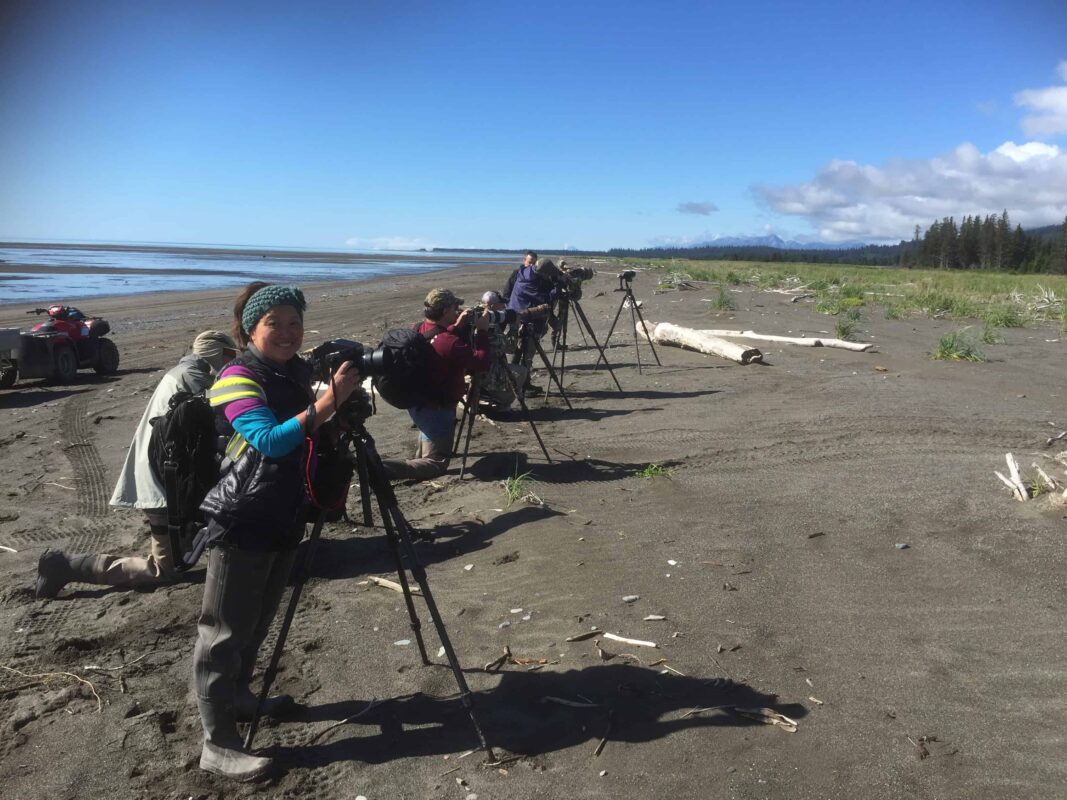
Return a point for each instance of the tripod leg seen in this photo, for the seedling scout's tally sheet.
(525, 409)
(584, 320)
(392, 539)
(364, 487)
(552, 374)
(290, 612)
(470, 415)
(637, 342)
(614, 322)
(648, 335)
(419, 574)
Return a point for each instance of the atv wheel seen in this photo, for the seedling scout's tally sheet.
(107, 363)
(66, 364)
(9, 373)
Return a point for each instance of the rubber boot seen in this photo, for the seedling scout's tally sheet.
(55, 570)
(276, 707)
(223, 752)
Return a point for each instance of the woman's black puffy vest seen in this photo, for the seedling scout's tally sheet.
(258, 503)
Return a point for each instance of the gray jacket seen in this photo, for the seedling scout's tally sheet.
(137, 487)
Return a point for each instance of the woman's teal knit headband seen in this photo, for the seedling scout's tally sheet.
(266, 298)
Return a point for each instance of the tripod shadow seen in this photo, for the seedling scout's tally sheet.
(643, 394)
(542, 413)
(629, 703)
(500, 465)
(353, 556)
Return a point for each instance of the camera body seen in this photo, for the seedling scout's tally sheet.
(328, 356)
(627, 276)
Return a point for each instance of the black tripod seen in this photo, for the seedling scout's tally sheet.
(470, 413)
(568, 299)
(626, 287)
(398, 534)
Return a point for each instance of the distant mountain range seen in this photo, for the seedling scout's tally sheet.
(775, 241)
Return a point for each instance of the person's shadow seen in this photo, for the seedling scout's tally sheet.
(532, 713)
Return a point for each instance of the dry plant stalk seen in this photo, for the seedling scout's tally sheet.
(44, 677)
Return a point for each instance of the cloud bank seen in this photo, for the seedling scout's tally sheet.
(703, 209)
(1048, 107)
(388, 243)
(847, 201)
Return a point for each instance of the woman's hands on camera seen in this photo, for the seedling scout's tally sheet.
(345, 381)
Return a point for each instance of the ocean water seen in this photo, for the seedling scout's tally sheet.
(44, 274)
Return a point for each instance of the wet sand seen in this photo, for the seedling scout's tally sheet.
(770, 549)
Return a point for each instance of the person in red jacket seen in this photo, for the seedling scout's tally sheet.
(456, 357)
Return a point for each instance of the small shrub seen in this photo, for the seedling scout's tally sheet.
(1004, 317)
(895, 312)
(655, 471)
(844, 328)
(723, 302)
(516, 487)
(1039, 486)
(956, 346)
(829, 305)
(989, 336)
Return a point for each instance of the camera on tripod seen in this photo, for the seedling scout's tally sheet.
(328, 356)
(625, 278)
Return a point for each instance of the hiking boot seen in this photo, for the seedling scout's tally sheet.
(233, 763)
(223, 752)
(55, 570)
(244, 706)
(53, 573)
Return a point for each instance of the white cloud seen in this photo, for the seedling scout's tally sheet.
(1048, 107)
(846, 200)
(388, 243)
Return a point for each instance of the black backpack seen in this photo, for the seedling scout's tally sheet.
(406, 384)
(182, 453)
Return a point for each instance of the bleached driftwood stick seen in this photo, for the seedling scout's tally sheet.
(1016, 478)
(666, 333)
(385, 583)
(1010, 485)
(624, 640)
(803, 341)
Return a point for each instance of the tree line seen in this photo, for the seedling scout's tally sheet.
(989, 243)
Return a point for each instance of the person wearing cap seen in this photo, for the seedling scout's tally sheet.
(255, 514)
(447, 375)
(137, 486)
(496, 389)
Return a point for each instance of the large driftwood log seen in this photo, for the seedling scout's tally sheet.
(666, 333)
(804, 341)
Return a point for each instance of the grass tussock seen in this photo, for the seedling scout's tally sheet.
(655, 471)
(723, 301)
(957, 346)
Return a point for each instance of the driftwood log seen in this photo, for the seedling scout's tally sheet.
(666, 333)
(803, 341)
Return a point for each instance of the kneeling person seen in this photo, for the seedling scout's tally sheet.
(436, 419)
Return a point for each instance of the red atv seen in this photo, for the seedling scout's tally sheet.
(58, 347)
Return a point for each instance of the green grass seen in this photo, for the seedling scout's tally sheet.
(844, 329)
(895, 312)
(1000, 299)
(989, 336)
(1038, 486)
(723, 301)
(516, 487)
(1003, 317)
(957, 346)
(655, 471)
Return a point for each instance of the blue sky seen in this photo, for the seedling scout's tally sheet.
(544, 125)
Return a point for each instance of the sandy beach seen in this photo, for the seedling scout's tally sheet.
(771, 551)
